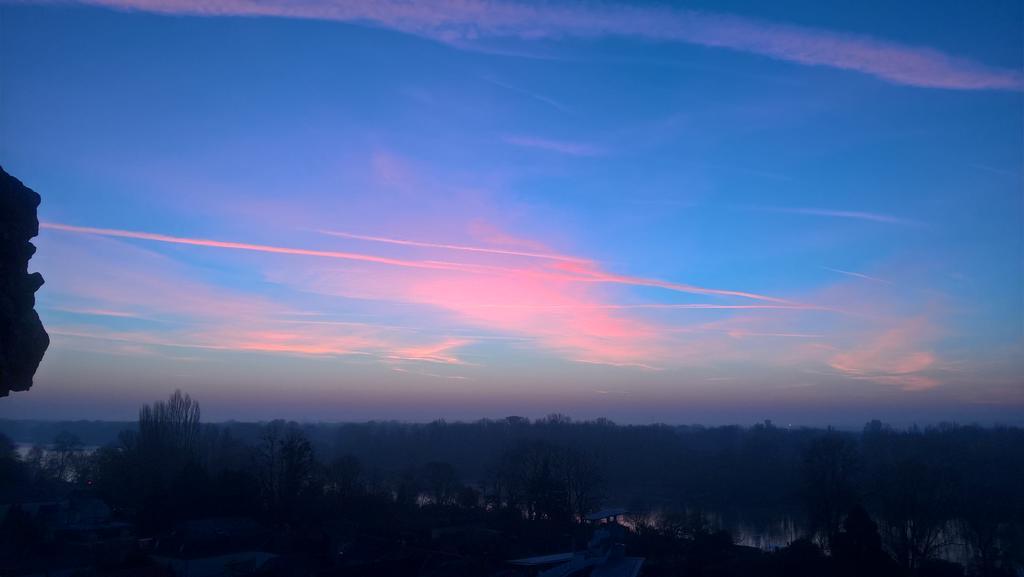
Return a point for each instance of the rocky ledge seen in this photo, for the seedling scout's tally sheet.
(22, 337)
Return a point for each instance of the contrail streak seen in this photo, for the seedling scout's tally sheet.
(245, 246)
(405, 242)
(857, 274)
(572, 275)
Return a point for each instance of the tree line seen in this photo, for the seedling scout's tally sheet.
(885, 500)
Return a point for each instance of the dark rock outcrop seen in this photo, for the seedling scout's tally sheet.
(22, 337)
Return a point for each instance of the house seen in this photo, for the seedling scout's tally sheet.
(605, 555)
(229, 565)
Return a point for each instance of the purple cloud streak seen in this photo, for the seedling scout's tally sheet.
(457, 22)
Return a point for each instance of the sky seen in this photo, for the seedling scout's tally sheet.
(710, 212)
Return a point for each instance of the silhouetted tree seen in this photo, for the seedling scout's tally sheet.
(441, 482)
(139, 474)
(914, 510)
(830, 464)
(684, 524)
(12, 471)
(67, 448)
(35, 463)
(284, 467)
(584, 482)
(407, 488)
(468, 497)
(989, 505)
(343, 477)
(536, 479)
(169, 426)
(857, 549)
(372, 500)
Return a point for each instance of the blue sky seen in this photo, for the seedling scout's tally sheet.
(715, 212)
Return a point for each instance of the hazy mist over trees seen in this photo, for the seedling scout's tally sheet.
(934, 501)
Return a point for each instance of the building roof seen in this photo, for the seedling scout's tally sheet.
(542, 560)
(218, 566)
(605, 514)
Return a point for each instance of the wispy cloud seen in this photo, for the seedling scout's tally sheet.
(433, 353)
(456, 247)
(559, 146)
(556, 304)
(620, 365)
(857, 275)
(580, 272)
(660, 306)
(741, 333)
(428, 374)
(117, 233)
(554, 314)
(896, 356)
(593, 274)
(265, 338)
(478, 300)
(100, 275)
(832, 213)
(460, 22)
(529, 93)
(99, 312)
(1014, 174)
(107, 279)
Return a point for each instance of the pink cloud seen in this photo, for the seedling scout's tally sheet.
(461, 22)
(434, 353)
(265, 337)
(657, 306)
(104, 276)
(565, 308)
(555, 312)
(143, 285)
(485, 231)
(560, 304)
(226, 338)
(895, 355)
